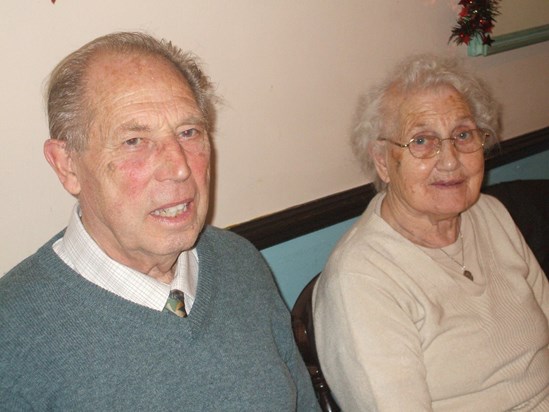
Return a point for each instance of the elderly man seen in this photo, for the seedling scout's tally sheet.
(136, 306)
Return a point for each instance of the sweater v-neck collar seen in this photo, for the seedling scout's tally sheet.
(80, 291)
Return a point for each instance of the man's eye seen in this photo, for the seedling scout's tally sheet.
(190, 133)
(134, 141)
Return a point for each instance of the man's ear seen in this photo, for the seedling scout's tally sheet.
(62, 163)
(378, 152)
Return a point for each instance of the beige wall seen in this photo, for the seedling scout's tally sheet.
(519, 15)
(290, 73)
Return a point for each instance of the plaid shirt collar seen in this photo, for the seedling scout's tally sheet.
(79, 251)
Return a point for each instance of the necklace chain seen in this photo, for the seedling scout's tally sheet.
(464, 270)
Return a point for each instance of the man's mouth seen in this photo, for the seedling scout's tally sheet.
(171, 211)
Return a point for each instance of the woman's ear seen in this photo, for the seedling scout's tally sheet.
(62, 163)
(378, 153)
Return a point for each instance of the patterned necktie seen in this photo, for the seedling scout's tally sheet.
(176, 303)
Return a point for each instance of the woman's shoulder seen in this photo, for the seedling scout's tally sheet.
(491, 210)
(365, 238)
(371, 249)
(489, 201)
(490, 217)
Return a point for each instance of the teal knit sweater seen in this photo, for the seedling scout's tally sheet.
(66, 344)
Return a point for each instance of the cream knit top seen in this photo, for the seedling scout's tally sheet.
(396, 331)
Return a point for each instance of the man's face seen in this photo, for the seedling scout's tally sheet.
(142, 184)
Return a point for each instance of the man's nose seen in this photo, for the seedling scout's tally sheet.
(173, 162)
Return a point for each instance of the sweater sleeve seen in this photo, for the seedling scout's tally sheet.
(537, 279)
(281, 324)
(370, 349)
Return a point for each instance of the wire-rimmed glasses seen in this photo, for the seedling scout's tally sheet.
(427, 146)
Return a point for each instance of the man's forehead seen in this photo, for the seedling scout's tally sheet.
(136, 92)
(111, 73)
(122, 68)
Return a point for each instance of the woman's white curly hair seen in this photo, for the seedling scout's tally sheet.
(420, 72)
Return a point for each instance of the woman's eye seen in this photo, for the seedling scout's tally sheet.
(466, 135)
(421, 140)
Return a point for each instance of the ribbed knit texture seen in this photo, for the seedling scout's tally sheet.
(66, 344)
(395, 332)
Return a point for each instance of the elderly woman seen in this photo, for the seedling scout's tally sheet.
(432, 300)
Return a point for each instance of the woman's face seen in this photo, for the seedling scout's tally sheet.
(440, 187)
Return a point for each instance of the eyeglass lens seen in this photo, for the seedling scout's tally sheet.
(467, 141)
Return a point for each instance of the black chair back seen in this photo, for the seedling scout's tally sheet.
(304, 333)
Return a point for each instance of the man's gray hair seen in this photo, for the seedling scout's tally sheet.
(420, 72)
(70, 112)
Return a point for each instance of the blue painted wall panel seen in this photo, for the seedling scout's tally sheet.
(529, 168)
(296, 261)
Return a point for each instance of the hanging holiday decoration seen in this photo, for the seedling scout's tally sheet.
(476, 18)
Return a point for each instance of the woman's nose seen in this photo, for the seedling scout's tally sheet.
(448, 155)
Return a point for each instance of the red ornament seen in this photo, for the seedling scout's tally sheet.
(475, 19)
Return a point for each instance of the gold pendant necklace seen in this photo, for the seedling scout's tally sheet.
(464, 270)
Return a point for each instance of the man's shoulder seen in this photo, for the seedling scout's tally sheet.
(31, 270)
(223, 238)
(29, 294)
(221, 249)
